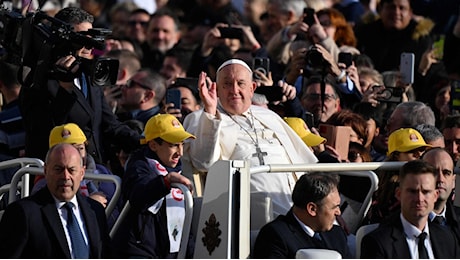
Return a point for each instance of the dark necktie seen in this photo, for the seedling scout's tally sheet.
(79, 247)
(84, 86)
(318, 240)
(439, 220)
(422, 253)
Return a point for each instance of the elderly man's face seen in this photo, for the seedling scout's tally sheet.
(64, 171)
(396, 14)
(235, 88)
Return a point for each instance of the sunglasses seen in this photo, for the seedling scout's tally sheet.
(132, 83)
(353, 156)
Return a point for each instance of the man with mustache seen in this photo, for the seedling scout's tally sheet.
(444, 213)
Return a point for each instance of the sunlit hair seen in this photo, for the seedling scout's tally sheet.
(314, 187)
(344, 34)
(349, 118)
(416, 167)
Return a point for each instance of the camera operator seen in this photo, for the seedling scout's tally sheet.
(72, 99)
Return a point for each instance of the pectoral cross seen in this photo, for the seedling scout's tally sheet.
(260, 155)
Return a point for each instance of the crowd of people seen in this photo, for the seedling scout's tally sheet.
(259, 80)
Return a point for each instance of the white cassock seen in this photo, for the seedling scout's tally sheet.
(220, 137)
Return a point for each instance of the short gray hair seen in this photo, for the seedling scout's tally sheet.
(415, 113)
(429, 132)
(296, 6)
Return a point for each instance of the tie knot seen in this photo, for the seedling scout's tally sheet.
(317, 236)
(68, 206)
(439, 220)
(422, 236)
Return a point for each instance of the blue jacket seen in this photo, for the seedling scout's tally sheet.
(143, 234)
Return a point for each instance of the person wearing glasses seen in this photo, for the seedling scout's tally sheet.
(311, 99)
(142, 95)
(136, 26)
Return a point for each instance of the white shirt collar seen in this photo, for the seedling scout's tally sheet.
(433, 215)
(412, 231)
(305, 228)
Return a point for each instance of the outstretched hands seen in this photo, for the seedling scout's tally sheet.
(208, 95)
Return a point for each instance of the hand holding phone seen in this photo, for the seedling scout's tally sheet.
(231, 33)
(262, 65)
(346, 58)
(309, 17)
(173, 96)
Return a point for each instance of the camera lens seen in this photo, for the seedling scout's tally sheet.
(101, 73)
(314, 58)
(104, 72)
(385, 94)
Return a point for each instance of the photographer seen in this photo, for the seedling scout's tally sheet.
(70, 97)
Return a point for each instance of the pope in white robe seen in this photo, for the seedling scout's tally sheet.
(230, 128)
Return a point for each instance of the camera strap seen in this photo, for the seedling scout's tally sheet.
(323, 87)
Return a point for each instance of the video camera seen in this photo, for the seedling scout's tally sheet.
(38, 41)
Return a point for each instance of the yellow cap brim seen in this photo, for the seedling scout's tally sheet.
(313, 140)
(409, 148)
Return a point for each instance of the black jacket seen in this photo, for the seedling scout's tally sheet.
(45, 108)
(284, 236)
(31, 228)
(142, 233)
(388, 241)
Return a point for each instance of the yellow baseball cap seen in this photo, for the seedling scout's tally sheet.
(405, 140)
(68, 133)
(167, 127)
(299, 126)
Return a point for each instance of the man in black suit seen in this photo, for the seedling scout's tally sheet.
(309, 223)
(410, 234)
(70, 98)
(36, 226)
(444, 209)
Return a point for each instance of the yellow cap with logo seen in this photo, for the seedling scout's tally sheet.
(166, 127)
(405, 140)
(68, 133)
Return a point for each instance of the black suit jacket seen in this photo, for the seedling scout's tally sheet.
(453, 218)
(44, 107)
(284, 236)
(389, 241)
(31, 228)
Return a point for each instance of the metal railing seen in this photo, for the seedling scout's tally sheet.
(187, 220)
(89, 176)
(240, 247)
(21, 162)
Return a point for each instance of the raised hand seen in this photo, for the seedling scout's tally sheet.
(208, 95)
